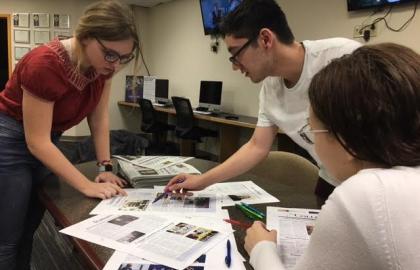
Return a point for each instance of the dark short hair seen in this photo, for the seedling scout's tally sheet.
(370, 101)
(251, 16)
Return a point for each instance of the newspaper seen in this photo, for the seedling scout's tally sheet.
(140, 176)
(296, 226)
(213, 259)
(139, 201)
(176, 244)
(230, 193)
(153, 162)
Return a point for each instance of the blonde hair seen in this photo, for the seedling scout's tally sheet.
(107, 20)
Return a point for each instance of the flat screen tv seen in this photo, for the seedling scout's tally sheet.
(213, 12)
(362, 4)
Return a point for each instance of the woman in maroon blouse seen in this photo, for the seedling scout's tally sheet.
(52, 89)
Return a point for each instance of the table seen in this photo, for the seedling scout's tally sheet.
(68, 206)
(229, 129)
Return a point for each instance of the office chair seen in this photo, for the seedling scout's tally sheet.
(151, 124)
(185, 126)
(298, 175)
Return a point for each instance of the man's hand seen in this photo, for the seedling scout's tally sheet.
(185, 182)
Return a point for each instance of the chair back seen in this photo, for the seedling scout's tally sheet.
(148, 119)
(290, 169)
(184, 115)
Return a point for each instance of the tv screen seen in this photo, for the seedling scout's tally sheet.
(361, 4)
(213, 11)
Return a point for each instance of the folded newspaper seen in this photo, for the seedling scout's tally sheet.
(140, 176)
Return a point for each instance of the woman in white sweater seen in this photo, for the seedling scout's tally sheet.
(365, 123)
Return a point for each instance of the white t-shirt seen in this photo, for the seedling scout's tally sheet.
(371, 221)
(288, 108)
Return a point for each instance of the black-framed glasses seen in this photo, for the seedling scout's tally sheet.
(112, 56)
(233, 59)
(307, 134)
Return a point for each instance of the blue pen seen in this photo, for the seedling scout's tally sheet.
(161, 196)
(228, 258)
(253, 209)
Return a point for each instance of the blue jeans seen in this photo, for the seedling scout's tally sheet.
(21, 211)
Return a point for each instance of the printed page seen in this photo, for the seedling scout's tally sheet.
(177, 245)
(296, 226)
(136, 202)
(116, 231)
(213, 259)
(159, 162)
(149, 87)
(248, 192)
(140, 201)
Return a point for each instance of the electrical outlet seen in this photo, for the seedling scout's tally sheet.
(358, 31)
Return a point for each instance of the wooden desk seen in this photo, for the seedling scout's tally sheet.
(229, 130)
(68, 207)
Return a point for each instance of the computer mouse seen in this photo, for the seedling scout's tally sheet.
(231, 117)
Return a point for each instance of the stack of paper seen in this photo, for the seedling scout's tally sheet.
(171, 233)
(143, 172)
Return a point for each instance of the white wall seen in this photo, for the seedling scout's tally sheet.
(176, 48)
(179, 51)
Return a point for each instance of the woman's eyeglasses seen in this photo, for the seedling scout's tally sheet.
(307, 134)
(112, 56)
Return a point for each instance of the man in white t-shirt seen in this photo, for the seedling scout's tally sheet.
(263, 48)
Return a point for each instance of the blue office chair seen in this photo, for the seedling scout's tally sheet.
(185, 124)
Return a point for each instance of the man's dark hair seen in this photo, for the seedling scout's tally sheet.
(370, 101)
(251, 16)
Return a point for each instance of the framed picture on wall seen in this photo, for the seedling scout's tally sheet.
(21, 20)
(41, 36)
(21, 36)
(62, 34)
(20, 52)
(41, 20)
(61, 21)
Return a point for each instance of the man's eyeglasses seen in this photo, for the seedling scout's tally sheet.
(233, 59)
(112, 56)
(307, 134)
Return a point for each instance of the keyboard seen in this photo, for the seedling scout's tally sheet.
(203, 109)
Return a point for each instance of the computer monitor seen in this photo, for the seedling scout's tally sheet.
(161, 91)
(210, 95)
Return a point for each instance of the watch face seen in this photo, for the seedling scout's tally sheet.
(108, 167)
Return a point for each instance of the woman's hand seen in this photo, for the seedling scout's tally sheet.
(102, 190)
(256, 233)
(109, 177)
(185, 182)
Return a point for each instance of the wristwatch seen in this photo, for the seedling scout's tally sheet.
(105, 166)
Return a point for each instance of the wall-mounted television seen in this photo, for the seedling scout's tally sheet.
(362, 4)
(213, 12)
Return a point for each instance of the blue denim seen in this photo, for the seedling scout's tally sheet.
(21, 211)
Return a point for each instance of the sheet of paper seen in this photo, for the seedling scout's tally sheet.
(149, 87)
(214, 259)
(157, 162)
(116, 231)
(248, 192)
(139, 201)
(176, 244)
(296, 226)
